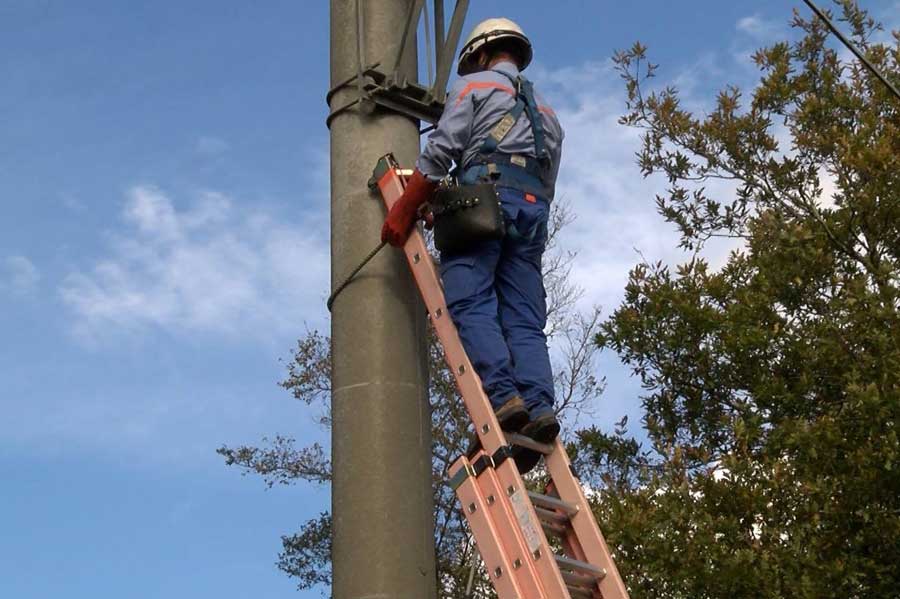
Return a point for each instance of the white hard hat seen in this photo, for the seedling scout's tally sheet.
(491, 30)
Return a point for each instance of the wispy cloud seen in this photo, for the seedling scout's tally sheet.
(617, 224)
(18, 275)
(212, 267)
(755, 32)
(760, 29)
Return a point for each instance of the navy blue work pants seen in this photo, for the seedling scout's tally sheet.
(495, 295)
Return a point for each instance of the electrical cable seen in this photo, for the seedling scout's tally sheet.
(470, 584)
(853, 48)
(428, 45)
(349, 278)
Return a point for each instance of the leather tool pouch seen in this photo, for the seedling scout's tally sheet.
(465, 215)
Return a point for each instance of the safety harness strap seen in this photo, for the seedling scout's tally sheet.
(502, 129)
(517, 171)
(534, 115)
(525, 102)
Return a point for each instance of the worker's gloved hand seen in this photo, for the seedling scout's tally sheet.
(403, 214)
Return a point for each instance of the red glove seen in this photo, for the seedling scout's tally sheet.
(403, 214)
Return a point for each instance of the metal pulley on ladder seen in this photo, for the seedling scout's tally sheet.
(511, 525)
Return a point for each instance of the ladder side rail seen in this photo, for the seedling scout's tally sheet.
(590, 538)
(480, 412)
(540, 551)
(487, 535)
(509, 534)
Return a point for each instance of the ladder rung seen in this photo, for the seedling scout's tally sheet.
(548, 516)
(579, 580)
(529, 443)
(580, 592)
(578, 567)
(557, 530)
(553, 503)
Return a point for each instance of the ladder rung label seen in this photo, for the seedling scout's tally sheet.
(520, 504)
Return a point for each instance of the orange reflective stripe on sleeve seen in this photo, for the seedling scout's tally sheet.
(483, 85)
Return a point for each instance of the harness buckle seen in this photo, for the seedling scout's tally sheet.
(520, 84)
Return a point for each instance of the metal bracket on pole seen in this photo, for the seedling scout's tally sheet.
(392, 91)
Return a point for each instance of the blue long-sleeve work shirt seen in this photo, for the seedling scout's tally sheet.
(475, 104)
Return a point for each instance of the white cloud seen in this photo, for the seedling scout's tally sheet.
(214, 267)
(759, 28)
(617, 224)
(829, 189)
(19, 275)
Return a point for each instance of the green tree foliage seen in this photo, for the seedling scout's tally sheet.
(771, 385)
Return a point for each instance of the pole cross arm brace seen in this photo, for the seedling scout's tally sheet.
(377, 89)
(390, 88)
(446, 46)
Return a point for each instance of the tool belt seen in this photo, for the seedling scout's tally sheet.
(465, 215)
(518, 172)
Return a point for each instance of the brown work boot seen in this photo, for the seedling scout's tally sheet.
(543, 429)
(511, 416)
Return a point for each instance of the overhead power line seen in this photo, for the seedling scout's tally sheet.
(853, 48)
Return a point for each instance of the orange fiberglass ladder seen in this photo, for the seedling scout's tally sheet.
(511, 525)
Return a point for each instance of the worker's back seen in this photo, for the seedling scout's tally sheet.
(475, 105)
(493, 94)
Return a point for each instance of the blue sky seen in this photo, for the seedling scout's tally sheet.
(164, 240)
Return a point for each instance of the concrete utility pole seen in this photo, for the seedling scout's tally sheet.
(383, 544)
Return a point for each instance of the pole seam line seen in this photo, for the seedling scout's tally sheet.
(372, 384)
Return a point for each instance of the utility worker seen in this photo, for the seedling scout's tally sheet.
(496, 128)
